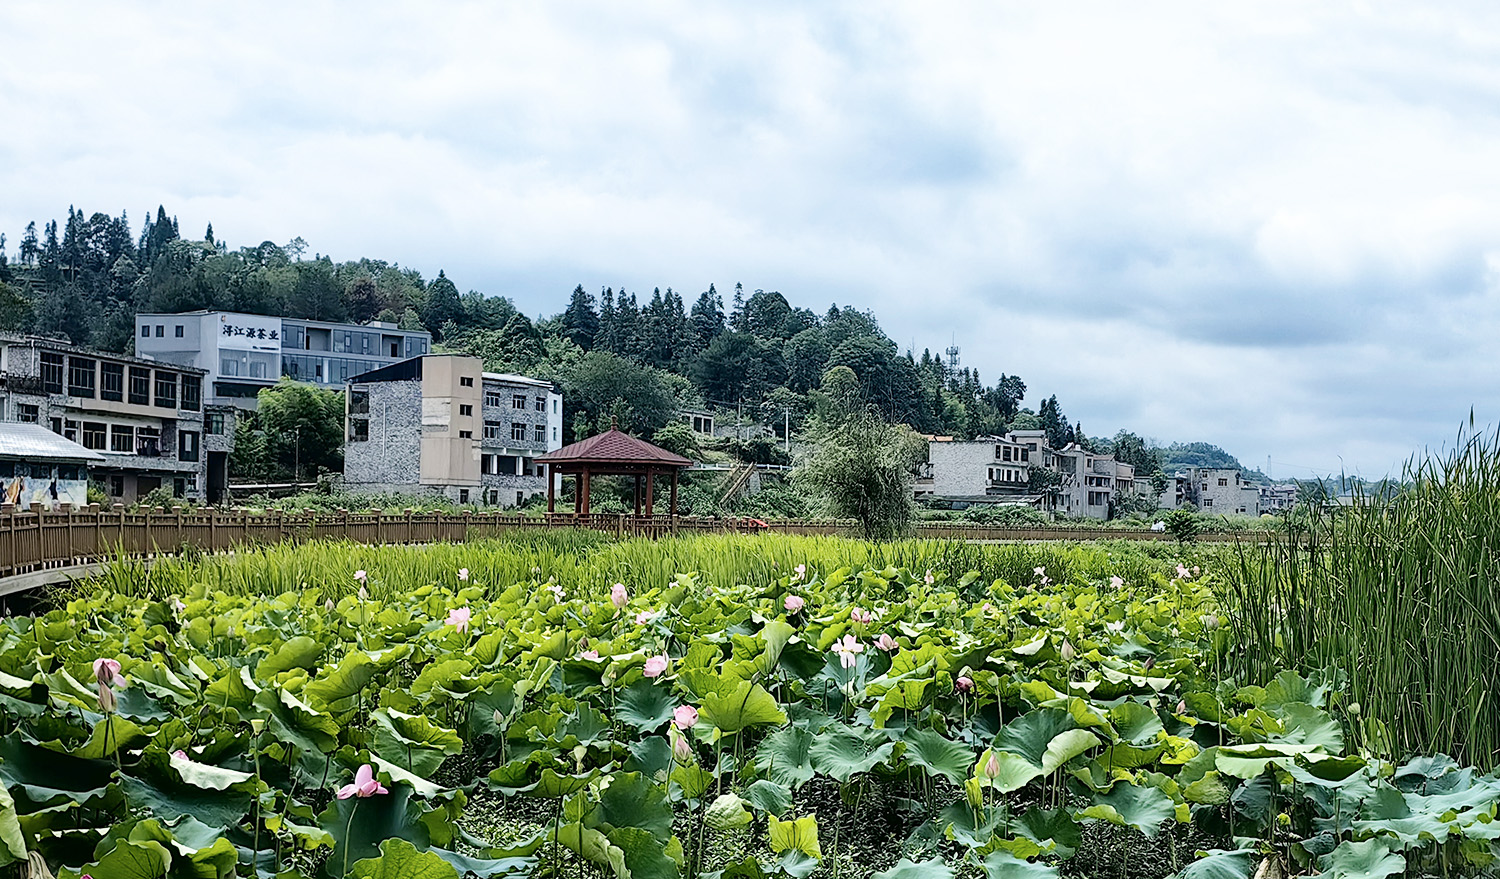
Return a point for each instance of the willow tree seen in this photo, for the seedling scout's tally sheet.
(861, 466)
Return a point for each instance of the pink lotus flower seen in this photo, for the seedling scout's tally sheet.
(1116, 581)
(987, 608)
(365, 785)
(177, 605)
(1042, 572)
(591, 655)
(558, 595)
(848, 650)
(360, 575)
(463, 573)
(646, 616)
(180, 754)
(887, 643)
(618, 595)
(459, 618)
(801, 571)
(860, 615)
(1183, 573)
(963, 683)
(685, 717)
(794, 604)
(991, 767)
(656, 666)
(105, 670)
(929, 579)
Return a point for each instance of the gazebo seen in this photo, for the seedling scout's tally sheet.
(612, 453)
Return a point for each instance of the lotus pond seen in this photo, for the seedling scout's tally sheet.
(478, 710)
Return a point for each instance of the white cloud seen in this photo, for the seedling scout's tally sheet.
(1271, 227)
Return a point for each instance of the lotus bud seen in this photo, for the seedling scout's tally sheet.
(1354, 709)
(682, 750)
(107, 702)
(328, 605)
(1210, 621)
(1067, 651)
(1150, 663)
(105, 670)
(363, 594)
(618, 596)
(1181, 706)
(499, 718)
(963, 683)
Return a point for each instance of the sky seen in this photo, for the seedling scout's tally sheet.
(1274, 226)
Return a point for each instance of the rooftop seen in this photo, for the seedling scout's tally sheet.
(80, 350)
(614, 446)
(33, 442)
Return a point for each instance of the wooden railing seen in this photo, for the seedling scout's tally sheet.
(35, 540)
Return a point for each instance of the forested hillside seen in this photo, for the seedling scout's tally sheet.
(630, 355)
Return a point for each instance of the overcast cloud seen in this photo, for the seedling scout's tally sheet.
(1271, 226)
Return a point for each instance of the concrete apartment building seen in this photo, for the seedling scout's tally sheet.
(437, 424)
(998, 470)
(242, 353)
(148, 420)
(1222, 491)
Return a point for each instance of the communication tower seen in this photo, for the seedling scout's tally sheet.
(952, 353)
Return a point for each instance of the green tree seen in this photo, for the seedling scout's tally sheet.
(862, 467)
(601, 385)
(806, 357)
(443, 304)
(678, 438)
(304, 428)
(580, 322)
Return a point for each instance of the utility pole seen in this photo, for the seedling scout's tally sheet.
(786, 430)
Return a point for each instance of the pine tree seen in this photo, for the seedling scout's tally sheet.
(708, 317)
(30, 250)
(608, 337)
(209, 235)
(580, 322)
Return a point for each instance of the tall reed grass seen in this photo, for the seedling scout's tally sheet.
(1398, 592)
(588, 562)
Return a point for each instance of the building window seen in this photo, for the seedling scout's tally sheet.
(359, 430)
(179, 487)
(540, 434)
(492, 430)
(213, 423)
(187, 445)
(1223, 481)
(55, 425)
(466, 434)
(148, 442)
(192, 392)
(463, 495)
(520, 498)
(466, 381)
(112, 381)
(70, 430)
(492, 398)
(166, 390)
(145, 332)
(27, 413)
(140, 386)
(518, 431)
(122, 438)
(161, 330)
(487, 464)
(465, 409)
(554, 434)
(1208, 502)
(518, 401)
(80, 377)
(178, 333)
(117, 480)
(541, 404)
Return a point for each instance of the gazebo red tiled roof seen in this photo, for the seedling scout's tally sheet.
(614, 447)
(612, 453)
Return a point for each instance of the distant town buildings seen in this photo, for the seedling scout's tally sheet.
(437, 424)
(1020, 469)
(242, 353)
(148, 421)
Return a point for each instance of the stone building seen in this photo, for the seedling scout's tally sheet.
(147, 419)
(1222, 491)
(438, 425)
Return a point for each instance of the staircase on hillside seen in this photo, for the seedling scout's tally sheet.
(739, 477)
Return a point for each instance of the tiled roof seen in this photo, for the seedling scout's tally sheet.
(19, 440)
(614, 446)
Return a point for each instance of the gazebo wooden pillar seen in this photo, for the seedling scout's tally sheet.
(613, 453)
